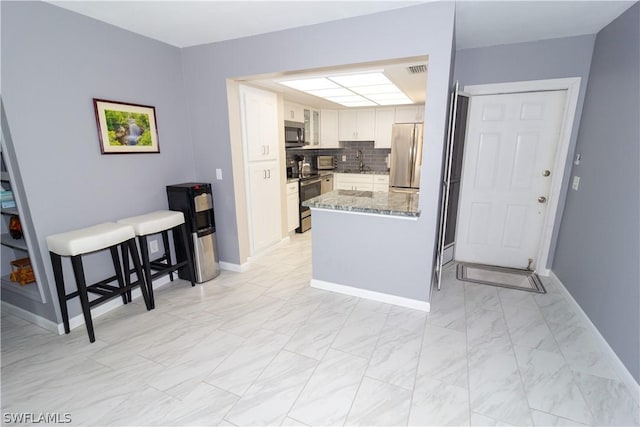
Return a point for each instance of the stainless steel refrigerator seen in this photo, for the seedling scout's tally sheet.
(406, 156)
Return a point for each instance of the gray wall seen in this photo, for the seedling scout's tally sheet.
(53, 63)
(414, 31)
(546, 59)
(597, 257)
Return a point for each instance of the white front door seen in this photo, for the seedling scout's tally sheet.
(510, 151)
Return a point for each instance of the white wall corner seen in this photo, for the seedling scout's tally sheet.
(238, 268)
(29, 317)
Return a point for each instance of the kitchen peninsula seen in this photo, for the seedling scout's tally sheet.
(349, 259)
(371, 202)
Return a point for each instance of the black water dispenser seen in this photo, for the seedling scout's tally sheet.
(194, 199)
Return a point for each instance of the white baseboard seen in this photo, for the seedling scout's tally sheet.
(619, 367)
(29, 317)
(78, 320)
(372, 295)
(238, 268)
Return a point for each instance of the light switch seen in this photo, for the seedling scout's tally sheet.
(344, 157)
(219, 174)
(576, 183)
(577, 160)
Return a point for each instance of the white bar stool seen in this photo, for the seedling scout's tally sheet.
(80, 242)
(154, 223)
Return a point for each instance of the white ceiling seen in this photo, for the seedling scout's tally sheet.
(478, 23)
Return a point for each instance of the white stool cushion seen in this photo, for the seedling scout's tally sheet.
(154, 222)
(90, 239)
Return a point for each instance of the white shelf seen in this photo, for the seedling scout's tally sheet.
(30, 291)
(10, 211)
(9, 241)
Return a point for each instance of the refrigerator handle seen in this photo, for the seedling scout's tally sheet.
(412, 154)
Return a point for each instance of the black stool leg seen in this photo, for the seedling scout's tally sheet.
(144, 253)
(78, 271)
(167, 251)
(147, 294)
(56, 261)
(126, 267)
(187, 250)
(116, 265)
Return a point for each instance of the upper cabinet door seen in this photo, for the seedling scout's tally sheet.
(347, 125)
(293, 112)
(329, 129)
(366, 119)
(260, 123)
(385, 118)
(410, 114)
(357, 124)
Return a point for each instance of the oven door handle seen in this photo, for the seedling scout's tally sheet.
(310, 182)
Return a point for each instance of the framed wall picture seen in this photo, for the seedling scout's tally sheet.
(125, 128)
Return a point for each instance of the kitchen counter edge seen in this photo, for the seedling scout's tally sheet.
(374, 202)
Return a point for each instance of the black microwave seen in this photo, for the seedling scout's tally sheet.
(294, 134)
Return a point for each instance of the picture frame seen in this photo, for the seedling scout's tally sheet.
(125, 128)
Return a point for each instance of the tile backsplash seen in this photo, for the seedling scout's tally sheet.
(374, 158)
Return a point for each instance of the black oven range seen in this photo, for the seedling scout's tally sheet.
(310, 186)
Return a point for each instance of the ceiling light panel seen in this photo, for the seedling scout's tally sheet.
(352, 90)
(370, 90)
(306, 85)
(355, 80)
(325, 93)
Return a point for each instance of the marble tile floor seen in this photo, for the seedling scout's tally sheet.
(263, 348)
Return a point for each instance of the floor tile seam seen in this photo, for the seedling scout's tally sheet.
(355, 396)
(559, 416)
(305, 384)
(518, 367)
(415, 379)
(466, 344)
(252, 383)
(564, 358)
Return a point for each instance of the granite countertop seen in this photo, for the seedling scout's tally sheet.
(290, 180)
(376, 202)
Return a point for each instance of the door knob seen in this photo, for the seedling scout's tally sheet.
(542, 199)
(546, 172)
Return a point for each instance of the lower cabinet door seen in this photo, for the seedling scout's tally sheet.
(264, 205)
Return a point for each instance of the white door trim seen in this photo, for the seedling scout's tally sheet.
(572, 86)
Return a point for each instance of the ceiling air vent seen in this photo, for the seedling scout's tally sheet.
(417, 69)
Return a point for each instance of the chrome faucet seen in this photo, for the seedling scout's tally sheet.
(359, 157)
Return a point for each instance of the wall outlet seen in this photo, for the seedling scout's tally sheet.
(576, 183)
(219, 174)
(153, 246)
(344, 157)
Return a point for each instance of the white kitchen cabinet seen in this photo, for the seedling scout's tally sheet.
(410, 114)
(385, 118)
(361, 182)
(260, 124)
(293, 208)
(357, 124)
(381, 183)
(293, 112)
(312, 127)
(329, 129)
(264, 204)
